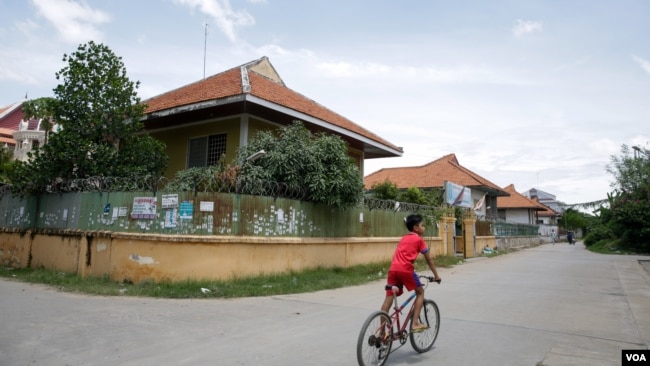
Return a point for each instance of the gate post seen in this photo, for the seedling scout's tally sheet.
(446, 231)
(469, 234)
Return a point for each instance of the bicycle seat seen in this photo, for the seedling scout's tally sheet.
(396, 289)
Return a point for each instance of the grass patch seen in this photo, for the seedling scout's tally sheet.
(604, 247)
(440, 262)
(265, 285)
(610, 246)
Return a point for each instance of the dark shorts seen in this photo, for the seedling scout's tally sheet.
(401, 279)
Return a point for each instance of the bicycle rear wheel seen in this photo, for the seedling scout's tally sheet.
(375, 340)
(423, 341)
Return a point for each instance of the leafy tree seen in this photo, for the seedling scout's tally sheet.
(6, 164)
(212, 178)
(628, 217)
(318, 163)
(386, 190)
(414, 195)
(572, 219)
(99, 112)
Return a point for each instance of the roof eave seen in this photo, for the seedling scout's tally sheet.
(380, 150)
(324, 124)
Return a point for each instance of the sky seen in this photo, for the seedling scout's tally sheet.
(539, 94)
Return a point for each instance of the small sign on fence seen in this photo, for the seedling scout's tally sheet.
(187, 207)
(144, 208)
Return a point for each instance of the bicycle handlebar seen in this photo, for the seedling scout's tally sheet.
(431, 279)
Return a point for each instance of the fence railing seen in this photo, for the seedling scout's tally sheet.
(514, 229)
(209, 185)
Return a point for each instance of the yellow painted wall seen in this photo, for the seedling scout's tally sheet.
(59, 252)
(14, 248)
(485, 241)
(153, 257)
(177, 140)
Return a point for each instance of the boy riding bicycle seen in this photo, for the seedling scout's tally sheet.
(401, 272)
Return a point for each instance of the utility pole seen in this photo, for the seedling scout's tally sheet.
(205, 46)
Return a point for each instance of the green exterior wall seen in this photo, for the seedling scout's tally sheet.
(231, 215)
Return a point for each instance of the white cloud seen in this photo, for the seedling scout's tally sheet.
(346, 69)
(524, 27)
(26, 27)
(74, 20)
(274, 50)
(645, 64)
(221, 12)
(425, 74)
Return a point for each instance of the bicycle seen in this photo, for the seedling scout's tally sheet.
(380, 330)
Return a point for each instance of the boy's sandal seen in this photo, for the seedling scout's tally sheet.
(419, 329)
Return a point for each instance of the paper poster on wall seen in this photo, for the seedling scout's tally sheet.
(169, 200)
(170, 217)
(206, 206)
(144, 208)
(187, 207)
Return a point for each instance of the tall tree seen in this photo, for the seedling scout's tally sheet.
(629, 214)
(318, 163)
(99, 114)
(386, 190)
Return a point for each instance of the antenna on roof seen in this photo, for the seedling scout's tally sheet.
(205, 43)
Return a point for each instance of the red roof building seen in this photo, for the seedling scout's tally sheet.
(521, 209)
(231, 106)
(434, 175)
(17, 134)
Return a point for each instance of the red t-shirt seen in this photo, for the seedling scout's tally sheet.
(408, 249)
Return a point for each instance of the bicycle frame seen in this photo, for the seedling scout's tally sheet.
(397, 311)
(382, 328)
(401, 333)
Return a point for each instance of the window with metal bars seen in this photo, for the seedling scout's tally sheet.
(206, 150)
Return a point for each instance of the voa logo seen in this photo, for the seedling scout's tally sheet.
(636, 357)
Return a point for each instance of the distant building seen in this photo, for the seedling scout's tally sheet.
(434, 175)
(550, 216)
(17, 134)
(519, 208)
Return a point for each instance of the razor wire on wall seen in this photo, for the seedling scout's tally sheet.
(162, 184)
(153, 184)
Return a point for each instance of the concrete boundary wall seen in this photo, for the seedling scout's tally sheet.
(517, 242)
(153, 257)
(138, 257)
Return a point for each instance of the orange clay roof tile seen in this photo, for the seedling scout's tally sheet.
(517, 200)
(430, 175)
(229, 84)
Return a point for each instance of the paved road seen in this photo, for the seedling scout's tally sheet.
(550, 305)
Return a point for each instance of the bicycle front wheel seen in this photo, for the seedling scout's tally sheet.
(375, 340)
(423, 341)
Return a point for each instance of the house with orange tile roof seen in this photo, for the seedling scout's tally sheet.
(519, 208)
(434, 175)
(204, 120)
